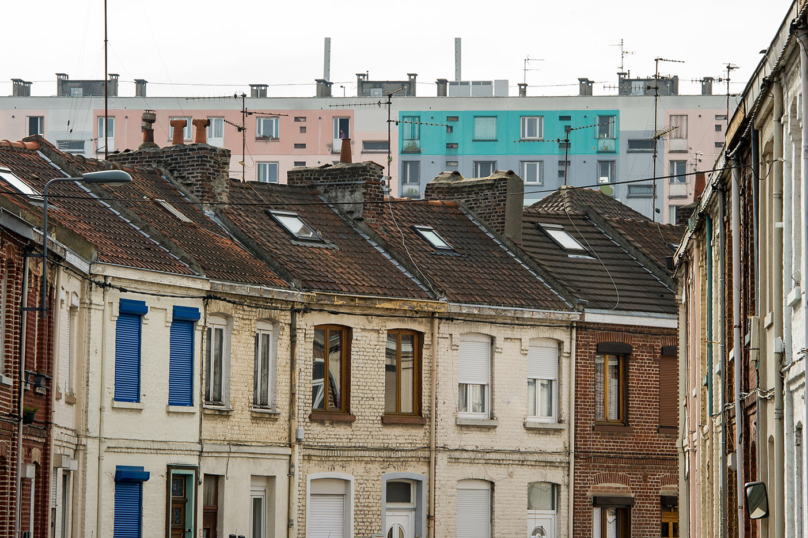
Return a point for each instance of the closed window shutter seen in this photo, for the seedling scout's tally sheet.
(66, 349)
(127, 358)
(181, 364)
(474, 362)
(473, 513)
(326, 516)
(128, 497)
(668, 391)
(542, 361)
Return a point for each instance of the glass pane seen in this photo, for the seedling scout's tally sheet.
(208, 363)
(318, 371)
(485, 128)
(399, 492)
(431, 236)
(462, 398)
(546, 399)
(210, 490)
(335, 369)
(540, 496)
(611, 523)
(257, 517)
(407, 373)
(596, 523)
(178, 486)
(664, 533)
(532, 128)
(478, 398)
(600, 393)
(391, 374)
(218, 351)
(614, 388)
(564, 238)
(531, 397)
(531, 173)
(296, 226)
(264, 384)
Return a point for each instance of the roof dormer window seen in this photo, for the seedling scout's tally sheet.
(18, 185)
(294, 225)
(562, 238)
(431, 236)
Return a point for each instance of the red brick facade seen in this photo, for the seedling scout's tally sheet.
(638, 461)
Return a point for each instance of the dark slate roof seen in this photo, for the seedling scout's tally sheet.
(116, 241)
(579, 199)
(479, 271)
(652, 238)
(347, 263)
(611, 279)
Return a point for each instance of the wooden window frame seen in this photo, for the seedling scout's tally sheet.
(417, 388)
(623, 521)
(622, 390)
(332, 414)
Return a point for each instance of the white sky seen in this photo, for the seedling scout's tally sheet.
(194, 44)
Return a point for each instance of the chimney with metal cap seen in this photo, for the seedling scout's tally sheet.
(113, 84)
(412, 77)
(707, 85)
(442, 85)
(323, 87)
(140, 87)
(21, 88)
(258, 90)
(522, 89)
(585, 87)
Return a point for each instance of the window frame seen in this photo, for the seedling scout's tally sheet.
(264, 330)
(533, 414)
(612, 129)
(261, 494)
(275, 215)
(524, 127)
(468, 387)
(266, 165)
(40, 125)
(210, 128)
(71, 315)
(477, 165)
(612, 172)
(621, 513)
(548, 228)
(217, 322)
(345, 370)
(411, 132)
(422, 230)
(335, 129)
(4, 282)
(539, 172)
(677, 177)
(477, 485)
(676, 134)
(417, 386)
(101, 138)
(476, 138)
(274, 122)
(185, 130)
(622, 390)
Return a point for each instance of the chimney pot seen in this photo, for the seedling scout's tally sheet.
(345, 151)
(140, 87)
(442, 84)
(148, 118)
(201, 131)
(178, 126)
(522, 89)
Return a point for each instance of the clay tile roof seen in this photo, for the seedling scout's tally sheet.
(478, 271)
(579, 199)
(347, 263)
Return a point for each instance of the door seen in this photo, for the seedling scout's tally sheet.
(400, 524)
(178, 503)
(541, 523)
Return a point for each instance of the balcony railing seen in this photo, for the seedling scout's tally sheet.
(607, 145)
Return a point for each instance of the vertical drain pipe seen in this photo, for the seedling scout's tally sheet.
(722, 242)
(291, 512)
(21, 395)
(777, 307)
(433, 401)
(737, 341)
(802, 36)
(708, 222)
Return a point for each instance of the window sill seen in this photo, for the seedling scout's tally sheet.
(484, 140)
(536, 425)
(323, 416)
(532, 140)
(266, 139)
(388, 419)
(612, 428)
(217, 410)
(479, 422)
(264, 413)
(70, 399)
(668, 430)
(137, 406)
(5, 380)
(188, 409)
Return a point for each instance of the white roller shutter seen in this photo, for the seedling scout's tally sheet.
(474, 363)
(326, 516)
(542, 361)
(473, 513)
(66, 350)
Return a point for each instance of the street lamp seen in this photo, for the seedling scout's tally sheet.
(112, 178)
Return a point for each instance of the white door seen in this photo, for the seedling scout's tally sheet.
(326, 516)
(400, 524)
(541, 523)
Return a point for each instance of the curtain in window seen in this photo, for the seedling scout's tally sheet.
(485, 128)
(680, 124)
(411, 129)
(600, 393)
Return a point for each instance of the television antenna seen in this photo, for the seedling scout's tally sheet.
(623, 54)
(527, 68)
(657, 133)
(730, 69)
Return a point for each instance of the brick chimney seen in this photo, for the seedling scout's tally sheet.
(356, 187)
(178, 126)
(148, 118)
(345, 151)
(498, 199)
(20, 88)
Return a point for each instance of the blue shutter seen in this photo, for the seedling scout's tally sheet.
(128, 506)
(127, 358)
(181, 364)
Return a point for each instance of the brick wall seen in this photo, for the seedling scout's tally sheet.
(642, 459)
(355, 187)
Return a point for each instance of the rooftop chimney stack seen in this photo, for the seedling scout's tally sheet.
(258, 90)
(323, 87)
(345, 151)
(140, 87)
(149, 117)
(179, 127)
(113, 84)
(522, 89)
(457, 60)
(707, 85)
(442, 84)
(585, 87)
(20, 88)
(201, 130)
(412, 79)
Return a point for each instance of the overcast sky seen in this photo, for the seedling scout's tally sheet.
(202, 47)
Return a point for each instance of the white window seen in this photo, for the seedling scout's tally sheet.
(562, 238)
(679, 123)
(432, 237)
(604, 127)
(342, 129)
(533, 172)
(107, 137)
(268, 127)
(411, 179)
(267, 172)
(542, 380)
(36, 125)
(485, 128)
(673, 214)
(216, 132)
(217, 362)
(186, 131)
(262, 379)
(678, 172)
(484, 168)
(258, 507)
(68, 342)
(542, 507)
(473, 509)
(293, 224)
(329, 509)
(474, 376)
(606, 172)
(532, 127)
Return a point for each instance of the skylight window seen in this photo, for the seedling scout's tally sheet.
(17, 184)
(432, 237)
(562, 238)
(173, 210)
(293, 224)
